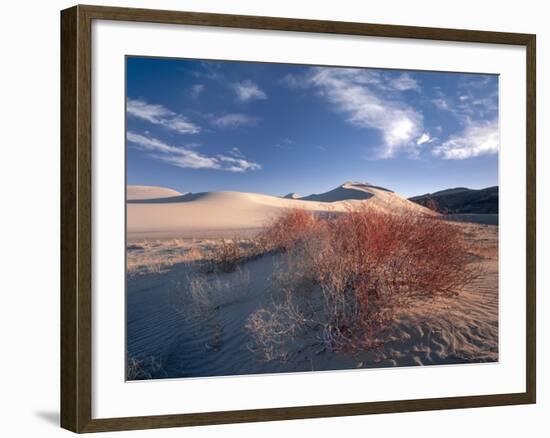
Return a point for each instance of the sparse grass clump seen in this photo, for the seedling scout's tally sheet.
(230, 254)
(159, 256)
(144, 369)
(366, 264)
(226, 256)
(205, 294)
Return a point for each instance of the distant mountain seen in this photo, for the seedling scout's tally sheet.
(292, 196)
(461, 200)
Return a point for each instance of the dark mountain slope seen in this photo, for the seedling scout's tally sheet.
(461, 200)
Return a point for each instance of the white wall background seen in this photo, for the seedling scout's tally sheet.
(29, 214)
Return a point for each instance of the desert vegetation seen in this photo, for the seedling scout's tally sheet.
(144, 368)
(340, 279)
(313, 290)
(344, 277)
(155, 256)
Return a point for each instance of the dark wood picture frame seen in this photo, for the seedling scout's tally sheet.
(76, 218)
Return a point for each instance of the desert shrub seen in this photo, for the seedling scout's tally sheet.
(281, 234)
(365, 264)
(226, 257)
(287, 230)
(230, 254)
(394, 254)
(274, 328)
(144, 369)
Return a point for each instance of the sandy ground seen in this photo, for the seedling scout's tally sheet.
(182, 322)
(453, 330)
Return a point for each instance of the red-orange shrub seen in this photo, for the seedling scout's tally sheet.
(396, 253)
(366, 264)
(288, 230)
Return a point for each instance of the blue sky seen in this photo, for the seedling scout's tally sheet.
(200, 126)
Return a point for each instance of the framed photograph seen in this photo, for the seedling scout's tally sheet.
(270, 218)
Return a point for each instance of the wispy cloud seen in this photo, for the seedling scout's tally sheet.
(196, 90)
(146, 111)
(294, 81)
(442, 104)
(238, 165)
(475, 107)
(185, 157)
(247, 90)
(405, 82)
(376, 99)
(477, 138)
(210, 70)
(358, 94)
(285, 143)
(160, 115)
(234, 120)
(476, 98)
(236, 152)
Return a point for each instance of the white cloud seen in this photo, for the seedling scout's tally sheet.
(348, 90)
(181, 124)
(442, 104)
(424, 138)
(146, 111)
(483, 106)
(149, 143)
(234, 120)
(477, 138)
(405, 82)
(475, 107)
(374, 99)
(294, 81)
(248, 90)
(238, 164)
(236, 152)
(160, 115)
(186, 158)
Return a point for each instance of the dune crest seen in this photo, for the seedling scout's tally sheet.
(184, 215)
(135, 193)
(348, 190)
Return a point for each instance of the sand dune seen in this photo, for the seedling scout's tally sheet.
(149, 192)
(348, 190)
(173, 214)
(193, 322)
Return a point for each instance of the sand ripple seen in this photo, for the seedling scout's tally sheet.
(195, 334)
